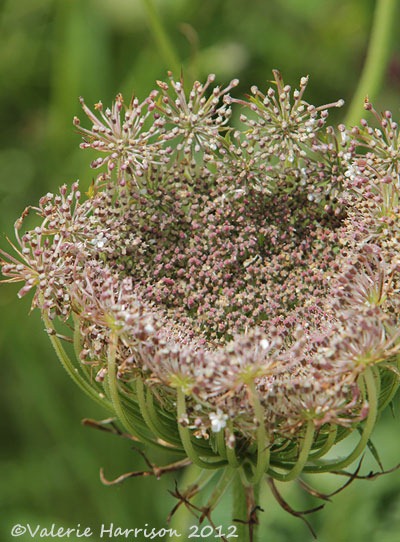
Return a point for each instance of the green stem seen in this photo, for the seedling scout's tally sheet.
(221, 444)
(330, 441)
(372, 392)
(160, 35)
(166, 429)
(113, 386)
(394, 386)
(140, 393)
(376, 61)
(116, 398)
(240, 508)
(302, 459)
(263, 450)
(244, 502)
(70, 367)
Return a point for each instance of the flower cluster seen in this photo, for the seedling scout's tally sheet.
(234, 293)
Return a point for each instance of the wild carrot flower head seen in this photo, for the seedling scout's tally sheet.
(234, 293)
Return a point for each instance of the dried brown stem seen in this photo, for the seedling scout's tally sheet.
(153, 471)
(286, 506)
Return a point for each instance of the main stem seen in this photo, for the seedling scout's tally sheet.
(244, 508)
(376, 60)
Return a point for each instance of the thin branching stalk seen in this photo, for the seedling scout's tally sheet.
(376, 62)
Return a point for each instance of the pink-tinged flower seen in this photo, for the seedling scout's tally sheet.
(234, 294)
(194, 121)
(121, 135)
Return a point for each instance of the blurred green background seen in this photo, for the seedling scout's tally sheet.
(54, 51)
